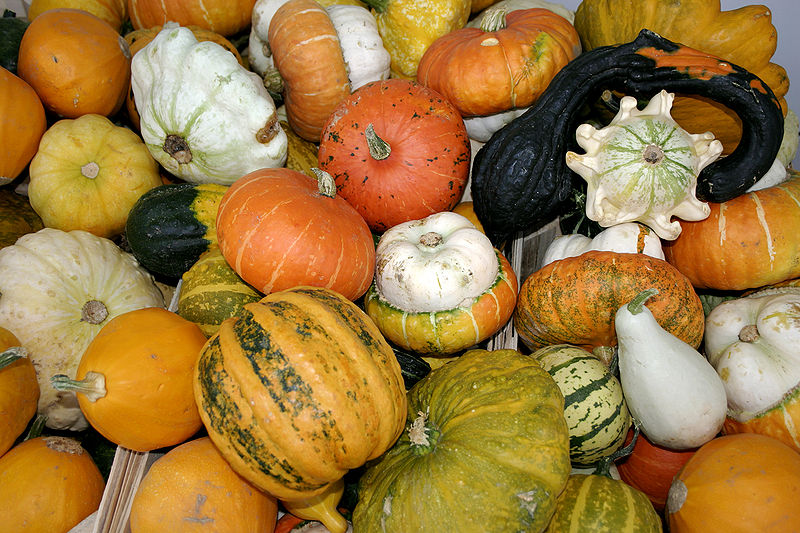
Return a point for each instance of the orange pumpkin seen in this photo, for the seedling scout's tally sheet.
(48, 484)
(76, 62)
(225, 17)
(506, 63)
(748, 242)
(194, 484)
(737, 483)
(134, 381)
(574, 300)
(398, 151)
(20, 390)
(115, 12)
(22, 124)
(279, 228)
(306, 52)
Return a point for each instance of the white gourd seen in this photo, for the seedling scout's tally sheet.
(754, 344)
(362, 46)
(628, 237)
(58, 289)
(481, 127)
(513, 5)
(643, 167)
(671, 389)
(434, 264)
(259, 54)
(204, 117)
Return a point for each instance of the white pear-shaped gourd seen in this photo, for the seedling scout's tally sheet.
(628, 237)
(671, 389)
(754, 344)
(643, 167)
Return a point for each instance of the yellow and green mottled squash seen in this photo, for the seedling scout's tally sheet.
(301, 154)
(486, 448)
(17, 217)
(211, 292)
(297, 390)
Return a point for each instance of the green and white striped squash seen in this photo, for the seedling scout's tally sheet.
(643, 167)
(599, 504)
(211, 291)
(594, 407)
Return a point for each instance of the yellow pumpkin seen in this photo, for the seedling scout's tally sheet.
(87, 175)
(115, 12)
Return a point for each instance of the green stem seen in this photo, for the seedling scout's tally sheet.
(12, 354)
(378, 148)
(494, 19)
(635, 305)
(604, 465)
(273, 81)
(325, 183)
(423, 437)
(93, 385)
(378, 5)
(36, 427)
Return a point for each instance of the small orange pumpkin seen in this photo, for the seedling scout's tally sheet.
(506, 63)
(737, 483)
(20, 390)
(22, 124)
(225, 17)
(134, 381)
(48, 484)
(76, 62)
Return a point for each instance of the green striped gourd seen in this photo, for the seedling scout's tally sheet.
(211, 292)
(596, 503)
(595, 409)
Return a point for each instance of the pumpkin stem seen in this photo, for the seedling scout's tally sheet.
(635, 305)
(652, 154)
(94, 312)
(378, 5)
(90, 170)
(325, 182)
(177, 147)
(321, 507)
(749, 333)
(269, 131)
(604, 465)
(64, 445)
(378, 148)
(607, 354)
(10, 355)
(494, 19)
(431, 239)
(36, 427)
(93, 385)
(273, 81)
(422, 436)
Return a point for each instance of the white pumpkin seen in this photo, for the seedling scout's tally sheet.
(628, 237)
(259, 54)
(643, 167)
(754, 344)
(513, 5)
(204, 117)
(434, 264)
(57, 290)
(481, 127)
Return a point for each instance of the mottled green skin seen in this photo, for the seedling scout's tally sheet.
(498, 454)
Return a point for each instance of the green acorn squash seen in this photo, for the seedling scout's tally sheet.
(520, 180)
(171, 225)
(486, 448)
(11, 28)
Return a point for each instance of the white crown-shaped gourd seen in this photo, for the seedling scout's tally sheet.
(643, 167)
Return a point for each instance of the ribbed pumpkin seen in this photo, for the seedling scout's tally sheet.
(594, 407)
(192, 487)
(76, 62)
(134, 381)
(212, 292)
(574, 300)
(22, 124)
(506, 63)
(306, 51)
(115, 12)
(20, 390)
(279, 228)
(485, 449)
(17, 217)
(398, 151)
(739, 484)
(48, 484)
(298, 389)
(744, 36)
(225, 17)
(748, 242)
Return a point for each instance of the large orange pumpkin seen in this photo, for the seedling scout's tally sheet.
(76, 62)
(506, 63)
(398, 151)
(738, 484)
(279, 228)
(22, 124)
(745, 243)
(225, 17)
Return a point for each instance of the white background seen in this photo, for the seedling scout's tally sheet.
(786, 19)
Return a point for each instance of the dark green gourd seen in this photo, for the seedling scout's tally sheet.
(520, 180)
